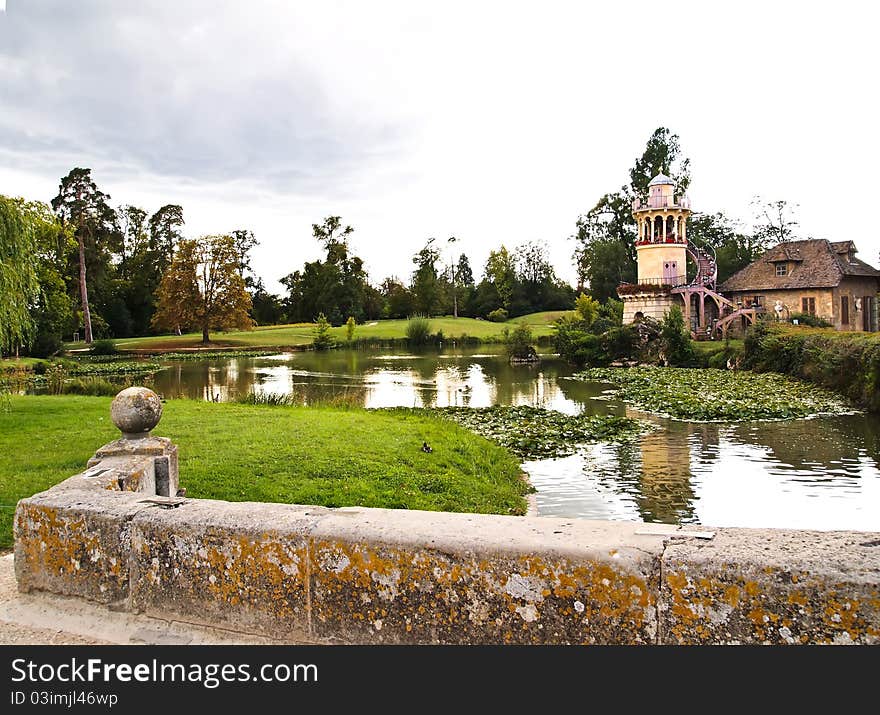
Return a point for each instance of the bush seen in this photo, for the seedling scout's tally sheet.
(621, 343)
(813, 321)
(103, 347)
(46, 345)
(846, 362)
(612, 311)
(675, 339)
(322, 340)
(519, 343)
(349, 328)
(40, 367)
(602, 325)
(498, 316)
(418, 329)
(587, 308)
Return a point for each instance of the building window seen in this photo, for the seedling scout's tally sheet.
(844, 310)
(808, 305)
(781, 269)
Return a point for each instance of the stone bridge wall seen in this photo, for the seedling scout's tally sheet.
(118, 535)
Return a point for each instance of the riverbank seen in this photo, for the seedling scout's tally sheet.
(846, 362)
(299, 335)
(298, 455)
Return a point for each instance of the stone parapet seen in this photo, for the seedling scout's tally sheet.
(357, 575)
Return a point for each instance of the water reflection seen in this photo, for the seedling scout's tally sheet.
(820, 473)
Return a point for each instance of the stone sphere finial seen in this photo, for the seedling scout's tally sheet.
(135, 411)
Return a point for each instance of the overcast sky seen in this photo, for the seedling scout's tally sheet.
(495, 122)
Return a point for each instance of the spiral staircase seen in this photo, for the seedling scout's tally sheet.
(703, 286)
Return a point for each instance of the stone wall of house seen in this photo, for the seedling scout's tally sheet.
(856, 289)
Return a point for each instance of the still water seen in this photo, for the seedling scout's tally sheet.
(818, 473)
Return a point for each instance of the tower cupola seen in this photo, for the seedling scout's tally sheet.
(662, 233)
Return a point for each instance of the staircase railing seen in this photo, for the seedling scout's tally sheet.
(704, 253)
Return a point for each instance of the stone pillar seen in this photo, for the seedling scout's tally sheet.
(138, 461)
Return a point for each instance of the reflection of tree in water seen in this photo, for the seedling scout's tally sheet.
(837, 444)
(585, 394)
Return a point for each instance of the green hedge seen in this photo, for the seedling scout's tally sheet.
(846, 362)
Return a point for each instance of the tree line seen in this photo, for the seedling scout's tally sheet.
(80, 266)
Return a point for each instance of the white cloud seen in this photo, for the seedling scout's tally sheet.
(493, 122)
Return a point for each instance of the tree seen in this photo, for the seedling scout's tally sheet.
(52, 309)
(203, 288)
(660, 156)
(165, 233)
(18, 273)
(425, 283)
(604, 266)
(398, 299)
(501, 273)
(80, 203)
(733, 250)
(775, 221)
(336, 286)
(134, 232)
(267, 308)
(675, 339)
(244, 241)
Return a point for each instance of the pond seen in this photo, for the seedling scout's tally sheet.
(820, 473)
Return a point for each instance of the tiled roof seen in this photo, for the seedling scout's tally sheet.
(815, 263)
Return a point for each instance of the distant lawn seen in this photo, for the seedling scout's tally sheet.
(302, 333)
(302, 455)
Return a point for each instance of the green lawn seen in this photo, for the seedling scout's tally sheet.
(302, 333)
(713, 346)
(303, 455)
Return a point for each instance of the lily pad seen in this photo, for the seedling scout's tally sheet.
(718, 395)
(536, 433)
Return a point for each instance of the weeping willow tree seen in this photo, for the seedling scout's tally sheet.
(18, 274)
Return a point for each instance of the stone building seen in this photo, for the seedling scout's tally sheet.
(815, 276)
(662, 251)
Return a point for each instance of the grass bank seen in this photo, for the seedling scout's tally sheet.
(302, 334)
(717, 395)
(304, 455)
(848, 363)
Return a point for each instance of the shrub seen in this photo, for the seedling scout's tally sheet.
(612, 311)
(587, 308)
(497, 316)
(418, 329)
(675, 339)
(349, 328)
(322, 340)
(40, 367)
(46, 345)
(104, 347)
(813, 321)
(519, 343)
(846, 362)
(620, 343)
(602, 325)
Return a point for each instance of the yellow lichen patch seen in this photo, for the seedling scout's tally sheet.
(731, 595)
